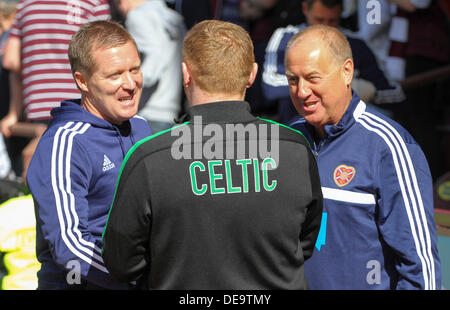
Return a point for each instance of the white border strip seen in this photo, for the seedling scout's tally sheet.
(348, 196)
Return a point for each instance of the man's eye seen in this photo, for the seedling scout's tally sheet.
(292, 80)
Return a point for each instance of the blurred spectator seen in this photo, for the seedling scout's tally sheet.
(246, 13)
(419, 32)
(374, 30)
(36, 55)
(5, 162)
(286, 12)
(258, 15)
(421, 43)
(7, 15)
(18, 244)
(158, 31)
(349, 15)
(369, 81)
(194, 11)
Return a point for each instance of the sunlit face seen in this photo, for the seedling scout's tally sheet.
(113, 90)
(319, 87)
(321, 14)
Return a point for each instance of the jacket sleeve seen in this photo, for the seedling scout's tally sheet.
(406, 215)
(274, 82)
(311, 225)
(126, 235)
(58, 178)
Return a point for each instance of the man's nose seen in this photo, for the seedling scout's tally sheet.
(303, 89)
(128, 81)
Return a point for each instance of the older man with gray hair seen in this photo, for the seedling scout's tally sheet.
(379, 230)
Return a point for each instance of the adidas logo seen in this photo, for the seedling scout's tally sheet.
(107, 164)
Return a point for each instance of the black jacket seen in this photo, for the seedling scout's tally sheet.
(192, 212)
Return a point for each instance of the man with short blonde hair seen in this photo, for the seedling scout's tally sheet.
(220, 219)
(220, 56)
(73, 173)
(96, 35)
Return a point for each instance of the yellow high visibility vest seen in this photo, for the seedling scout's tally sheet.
(18, 242)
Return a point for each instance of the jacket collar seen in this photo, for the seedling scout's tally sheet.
(347, 120)
(71, 110)
(222, 112)
(351, 115)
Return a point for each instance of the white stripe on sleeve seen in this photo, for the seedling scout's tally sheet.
(410, 192)
(65, 204)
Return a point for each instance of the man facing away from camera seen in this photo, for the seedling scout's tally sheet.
(224, 200)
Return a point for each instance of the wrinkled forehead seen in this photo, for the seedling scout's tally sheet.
(113, 56)
(312, 67)
(307, 51)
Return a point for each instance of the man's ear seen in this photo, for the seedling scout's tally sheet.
(187, 76)
(81, 81)
(252, 77)
(348, 71)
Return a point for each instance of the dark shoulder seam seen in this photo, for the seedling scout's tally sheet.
(285, 126)
(135, 146)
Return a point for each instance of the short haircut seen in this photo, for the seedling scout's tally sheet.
(333, 39)
(91, 36)
(327, 3)
(220, 56)
(7, 8)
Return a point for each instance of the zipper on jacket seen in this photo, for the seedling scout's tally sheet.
(318, 147)
(120, 137)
